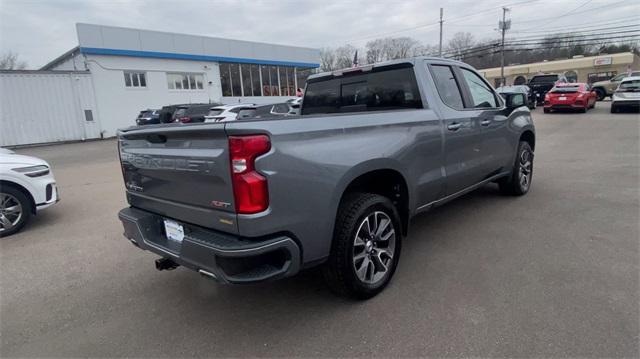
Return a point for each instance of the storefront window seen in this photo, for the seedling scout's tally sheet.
(234, 70)
(255, 79)
(259, 80)
(225, 79)
(571, 76)
(246, 80)
(275, 90)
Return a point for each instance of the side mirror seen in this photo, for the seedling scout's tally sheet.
(515, 100)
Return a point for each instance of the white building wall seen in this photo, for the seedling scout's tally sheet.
(119, 105)
(46, 107)
(73, 63)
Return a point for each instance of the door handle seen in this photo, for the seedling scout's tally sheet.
(454, 126)
(485, 122)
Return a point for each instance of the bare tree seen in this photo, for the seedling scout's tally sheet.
(9, 61)
(327, 59)
(344, 56)
(459, 42)
(391, 48)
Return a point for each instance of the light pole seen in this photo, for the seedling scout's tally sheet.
(440, 47)
(503, 25)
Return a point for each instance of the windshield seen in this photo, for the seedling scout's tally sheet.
(384, 88)
(630, 86)
(544, 78)
(565, 89)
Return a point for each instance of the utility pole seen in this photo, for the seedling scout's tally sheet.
(440, 47)
(503, 25)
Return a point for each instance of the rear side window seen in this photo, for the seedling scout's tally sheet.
(447, 86)
(481, 94)
(215, 112)
(378, 90)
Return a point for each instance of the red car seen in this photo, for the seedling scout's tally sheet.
(572, 96)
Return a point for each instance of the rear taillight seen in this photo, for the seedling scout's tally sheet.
(249, 187)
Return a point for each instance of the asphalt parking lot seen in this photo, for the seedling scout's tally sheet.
(551, 274)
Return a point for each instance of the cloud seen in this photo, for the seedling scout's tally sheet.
(42, 30)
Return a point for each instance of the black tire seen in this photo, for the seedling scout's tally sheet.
(25, 204)
(600, 94)
(583, 110)
(547, 110)
(614, 109)
(513, 185)
(340, 269)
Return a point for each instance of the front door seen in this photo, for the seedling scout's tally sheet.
(462, 132)
(482, 102)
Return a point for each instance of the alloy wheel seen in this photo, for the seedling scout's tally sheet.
(526, 166)
(10, 212)
(373, 247)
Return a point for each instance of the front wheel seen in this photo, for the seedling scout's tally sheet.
(519, 182)
(15, 210)
(366, 246)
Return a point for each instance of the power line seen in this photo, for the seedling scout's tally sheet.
(550, 38)
(436, 23)
(580, 42)
(586, 27)
(490, 51)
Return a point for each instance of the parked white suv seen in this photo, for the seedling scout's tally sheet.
(627, 95)
(226, 113)
(27, 186)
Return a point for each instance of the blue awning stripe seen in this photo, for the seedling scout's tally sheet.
(170, 55)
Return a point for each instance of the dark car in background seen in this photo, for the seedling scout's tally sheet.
(192, 113)
(542, 83)
(148, 117)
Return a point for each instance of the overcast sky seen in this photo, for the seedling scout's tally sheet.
(42, 30)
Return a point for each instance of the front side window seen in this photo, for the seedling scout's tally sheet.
(184, 81)
(447, 86)
(135, 79)
(481, 94)
(378, 90)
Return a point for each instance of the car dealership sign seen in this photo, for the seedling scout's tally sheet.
(601, 61)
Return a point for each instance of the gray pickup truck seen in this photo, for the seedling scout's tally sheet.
(255, 200)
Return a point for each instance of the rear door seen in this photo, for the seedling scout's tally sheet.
(180, 172)
(485, 105)
(461, 131)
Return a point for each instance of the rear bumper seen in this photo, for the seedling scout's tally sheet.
(226, 258)
(560, 106)
(627, 104)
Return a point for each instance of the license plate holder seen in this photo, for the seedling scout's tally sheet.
(174, 231)
(562, 98)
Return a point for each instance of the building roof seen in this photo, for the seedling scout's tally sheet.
(624, 58)
(60, 59)
(120, 41)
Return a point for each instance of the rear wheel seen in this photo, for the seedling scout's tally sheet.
(366, 246)
(583, 110)
(547, 110)
(519, 182)
(15, 210)
(600, 94)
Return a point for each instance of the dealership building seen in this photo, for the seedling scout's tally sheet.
(101, 84)
(587, 69)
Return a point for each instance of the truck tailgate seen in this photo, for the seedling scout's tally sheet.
(181, 173)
